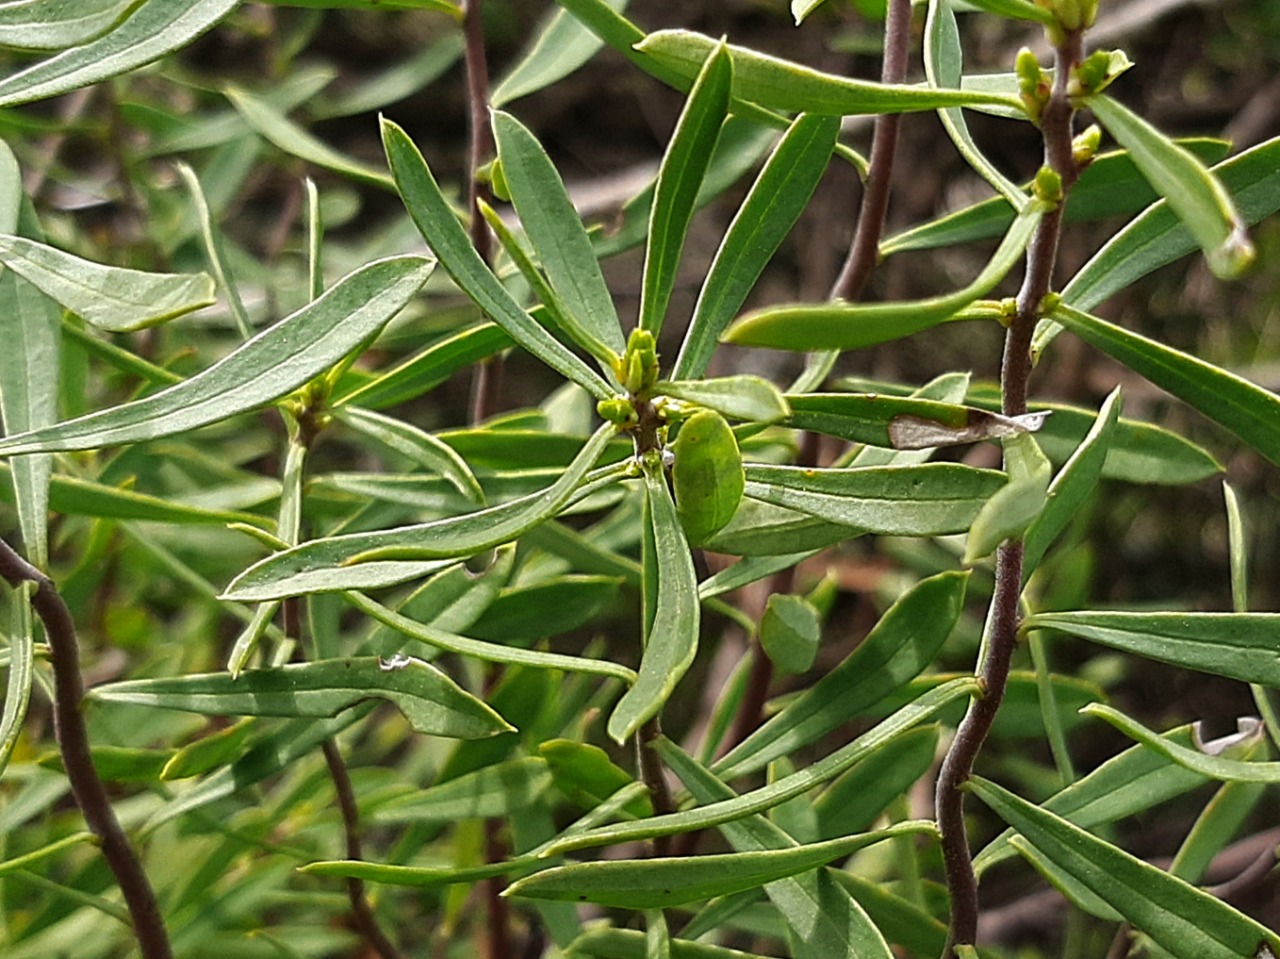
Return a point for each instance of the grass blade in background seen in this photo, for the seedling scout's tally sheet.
(779, 194)
(684, 165)
(269, 366)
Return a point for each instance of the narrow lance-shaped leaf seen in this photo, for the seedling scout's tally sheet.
(897, 649)
(824, 920)
(1184, 920)
(766, 797)
(672, 640)
(1194, 193)
(847, 326)
(42, 25)
(213, 248)
(277, 129)
(902, 422)
(1237, 645)
(562, 45)
(928, 500)
(742, 397)
(661, 883)
(479, 649)
(1247, 410)
(416, 444)
(1013, 507)
(679, 178)
(361, 560)
(497, 790)
(1073, 484)
(943, 64)
(154, 28)
(778, 196)
(449, 241)
(109, 297)
(269, 366)
(1203, 761)
(783, 85)
(430, 700)
(557, 234)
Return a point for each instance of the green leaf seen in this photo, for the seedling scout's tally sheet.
(269, 366)
(1158, 237)
(762, 529)
(214, 250)
(430, 700)
(1238, 645)
(71, 496)
(684, 165)
(902, 422)
(277, 129)
(109, 297)
(824, 920)
(44, 852)
(587, 776)
(21, 668)
(783, 85)
(209, 752)
(944, 66)
(397, 82)
(418, 876)
(500, 790)
(790, 630)
(449, 241)
(1016, 10)
(741, 397)
(779, 791)
(1248, 411)
(671, 641)
(427, 368)
(1109, 186)
(1073, 484)
(848, 326)
(1134, 781)
(1014, 506)
(661, 882)
(855, 800)
(1182, 919)
(778, 196)
(561, 46)
(417, 445)
(1199, 199)
(557, 234)
(927, 500)
(1203, 760)
(901, 922)
(526, 612)
(364, 560)
(487, 651)
(905, 640)
(706, 475)
(610, 943)
(57, 24)
(154, 28)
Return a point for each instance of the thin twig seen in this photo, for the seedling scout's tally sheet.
(73, 743)
(993, 673)
(864, 252)
(360, 907)
(651, 774)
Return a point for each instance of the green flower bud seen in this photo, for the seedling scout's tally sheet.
(617, 410)
(1085, 147)
(1048, 186)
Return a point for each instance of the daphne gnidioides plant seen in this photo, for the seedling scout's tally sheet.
(499, 622)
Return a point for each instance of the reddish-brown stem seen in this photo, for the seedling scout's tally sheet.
(651, 774)
(73, 743)
(1002, 626)
(360, 908)
(864, 252)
